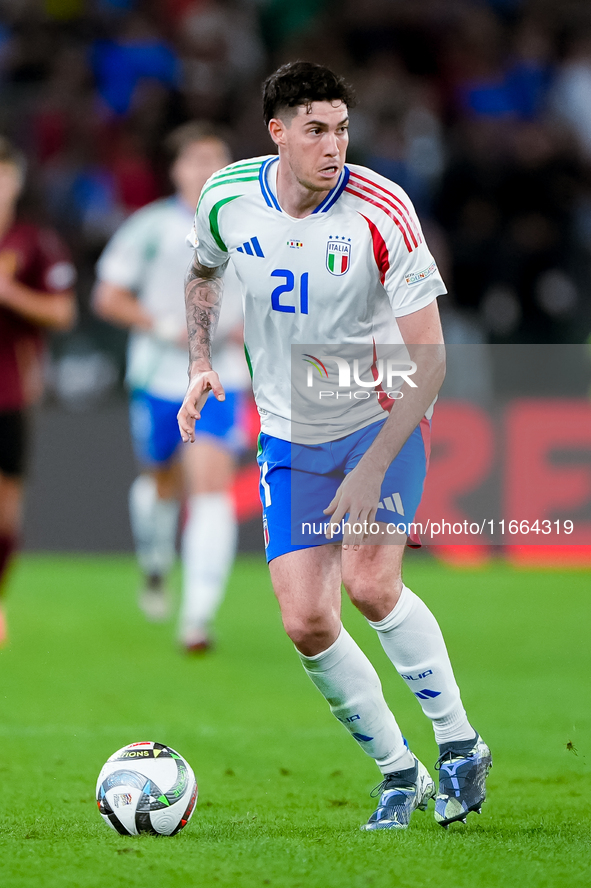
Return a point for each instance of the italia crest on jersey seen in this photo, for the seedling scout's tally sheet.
(338, 255)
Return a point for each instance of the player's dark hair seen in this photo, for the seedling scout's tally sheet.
(10, 154)
(194, 131)
(301, 83)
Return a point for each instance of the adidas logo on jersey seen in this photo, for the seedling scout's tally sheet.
(252, 248)
(393, 503)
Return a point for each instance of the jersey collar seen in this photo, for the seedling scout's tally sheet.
(267, 188)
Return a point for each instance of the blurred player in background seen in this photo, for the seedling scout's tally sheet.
(140, 287)
(36, 296)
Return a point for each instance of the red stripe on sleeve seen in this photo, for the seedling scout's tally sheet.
(380, 250)
(398, 204)
(388, 212)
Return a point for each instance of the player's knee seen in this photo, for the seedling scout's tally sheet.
(311, 633)
(361, 592)
(368, 591)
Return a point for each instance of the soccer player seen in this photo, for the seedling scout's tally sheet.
(140, 285)
(332, 253)
(36, 296)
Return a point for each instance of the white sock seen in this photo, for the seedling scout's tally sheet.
(349, 683)
(153, 525)
(208, 550)
(412, 639)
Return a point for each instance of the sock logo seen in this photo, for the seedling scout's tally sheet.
(349, 719)
(362, 738)
(426, 694)
(416, 677)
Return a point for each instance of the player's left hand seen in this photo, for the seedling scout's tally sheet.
(358, 495)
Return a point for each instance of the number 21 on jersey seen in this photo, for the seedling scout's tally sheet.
(279, 299)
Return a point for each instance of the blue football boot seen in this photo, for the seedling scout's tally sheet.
(463, 767)
(400, 794)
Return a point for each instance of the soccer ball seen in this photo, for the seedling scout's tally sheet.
(146, 788)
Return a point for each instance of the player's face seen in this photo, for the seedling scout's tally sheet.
(195, 164)
(11, 182)
(314, 143)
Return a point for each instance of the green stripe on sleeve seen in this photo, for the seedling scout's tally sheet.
(213, 220)
(239, 168)
(229, 181)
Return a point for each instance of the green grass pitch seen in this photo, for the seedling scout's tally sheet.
(283, 789)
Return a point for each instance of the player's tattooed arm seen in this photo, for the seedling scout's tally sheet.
(203, 301)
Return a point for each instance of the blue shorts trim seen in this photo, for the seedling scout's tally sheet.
(155, 432)
(298, 482)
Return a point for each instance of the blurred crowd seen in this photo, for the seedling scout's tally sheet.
(480, 109)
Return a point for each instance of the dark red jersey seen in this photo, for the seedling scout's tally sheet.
(38, 259)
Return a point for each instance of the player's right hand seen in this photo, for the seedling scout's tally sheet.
(200, 385)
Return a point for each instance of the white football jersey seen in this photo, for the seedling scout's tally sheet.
(337, 278)
(149, 255)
